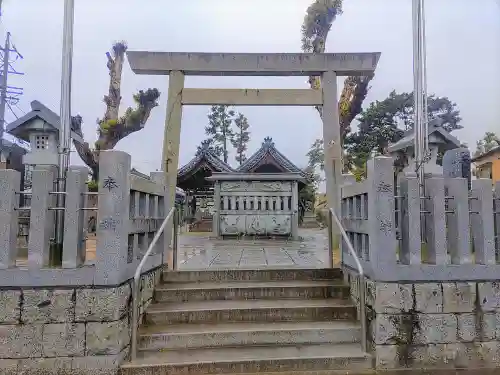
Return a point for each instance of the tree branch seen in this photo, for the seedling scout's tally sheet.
(317, 23)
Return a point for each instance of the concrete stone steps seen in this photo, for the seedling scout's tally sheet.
(252, 275)
(189, 336)
(251, 311)
(255, 359)
(244, 290)
(282, 322)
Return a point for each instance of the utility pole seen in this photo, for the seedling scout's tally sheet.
(8, 94)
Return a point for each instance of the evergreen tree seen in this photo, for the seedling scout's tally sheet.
(241, 138)
(219, 128)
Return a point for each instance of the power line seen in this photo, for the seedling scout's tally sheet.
(12, 111)
(9, 95)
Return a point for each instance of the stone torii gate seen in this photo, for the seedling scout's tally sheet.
(327, 65)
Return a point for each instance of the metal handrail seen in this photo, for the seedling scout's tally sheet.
(362, 286)
(137, 277)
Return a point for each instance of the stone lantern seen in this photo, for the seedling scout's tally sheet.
(440, 141)
(40, 128)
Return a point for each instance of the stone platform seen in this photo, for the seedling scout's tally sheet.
(198, 251)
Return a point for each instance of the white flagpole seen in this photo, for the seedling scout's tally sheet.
(419, 88)
(64, 146)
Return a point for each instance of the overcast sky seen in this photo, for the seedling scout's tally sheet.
(463, 48)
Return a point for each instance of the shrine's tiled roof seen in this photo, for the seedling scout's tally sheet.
(207, 155)
(268, 148)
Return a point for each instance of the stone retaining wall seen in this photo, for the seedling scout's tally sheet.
(432, 325)
(84, 330)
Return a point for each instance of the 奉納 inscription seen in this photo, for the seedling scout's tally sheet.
(384, 187)
(109, 183)
(108, 223)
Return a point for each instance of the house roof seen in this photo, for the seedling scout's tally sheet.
(268, 149)
(38, 110)
(12, 148)
(205, 154)
(493, 151)
(434, 127)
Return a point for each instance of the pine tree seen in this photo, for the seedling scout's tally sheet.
(241, 138)
(219, 129)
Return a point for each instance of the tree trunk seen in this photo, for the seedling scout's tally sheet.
(113, 98)
(224, 143)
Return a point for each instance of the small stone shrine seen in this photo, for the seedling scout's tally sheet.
(260, 198)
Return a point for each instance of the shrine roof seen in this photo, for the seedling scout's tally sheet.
(268, 149)
(204, 155)
(434, 128)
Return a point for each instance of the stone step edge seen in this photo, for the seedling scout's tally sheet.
(337, 272)
(228, 285)
(225, 305)
(238, 327)
(156, 357)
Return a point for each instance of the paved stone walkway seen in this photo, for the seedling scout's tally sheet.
(199, 251)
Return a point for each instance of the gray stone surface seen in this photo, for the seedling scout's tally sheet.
(457, 163)
(114, 216)
(10, 306)
(21, 341)
(10, 181)
(41, 218)
(197, 251)
(65, 339)
(102, 304)
(489, 296)
(382, 228)
(440, 326)
(481, 223)
(105, 338)
(249, 64)
(459, 297)
(67, 331)
(47, 306)
(74, 244)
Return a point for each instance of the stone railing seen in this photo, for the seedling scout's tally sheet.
(442, 270)
(63, 310)
(130, 209)
(449, 234)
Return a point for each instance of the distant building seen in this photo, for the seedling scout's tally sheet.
(488, 164)
(11, 157)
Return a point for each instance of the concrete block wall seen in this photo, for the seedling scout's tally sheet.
(432, 325)
(76, 330)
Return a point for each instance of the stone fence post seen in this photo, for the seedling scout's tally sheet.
(381, 207)
(160, 213)
(41, 216)
(10, 181)
(163, 210)
(74, 215)
(113, 217)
